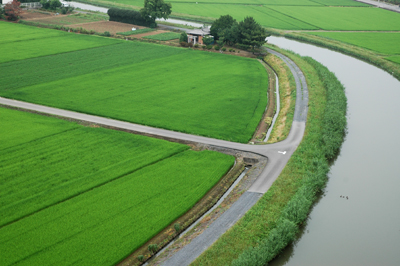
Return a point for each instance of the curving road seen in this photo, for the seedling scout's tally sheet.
(278, 155)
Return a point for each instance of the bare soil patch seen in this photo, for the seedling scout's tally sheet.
(110, 26)
(34, 15)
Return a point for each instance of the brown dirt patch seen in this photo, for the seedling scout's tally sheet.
(32, 15)
(110, 26)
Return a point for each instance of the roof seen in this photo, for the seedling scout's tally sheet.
(200, 32)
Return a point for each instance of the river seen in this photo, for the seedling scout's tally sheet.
(365, 228)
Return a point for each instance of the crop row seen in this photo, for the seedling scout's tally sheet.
(90, 195)
(212, 95)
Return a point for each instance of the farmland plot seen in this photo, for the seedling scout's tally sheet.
(214, 95)
(16, 47)
(344, 18)
(134, 187)
(381, 42)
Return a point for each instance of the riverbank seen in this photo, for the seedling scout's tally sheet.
(273, 222)
(355, 51)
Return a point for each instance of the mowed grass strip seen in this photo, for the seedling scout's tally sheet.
(40, 46)
(166, 36)
(104, 225)
(344, 18)
(56, 167)
(381, 42)
(214, 95)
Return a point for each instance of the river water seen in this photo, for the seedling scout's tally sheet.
(365, 228)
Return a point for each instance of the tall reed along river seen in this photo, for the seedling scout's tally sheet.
(365, 228)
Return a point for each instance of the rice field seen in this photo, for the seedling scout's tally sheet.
(90, 196)
(395, 59)
(344, 18)
(380, 42)
(214, 95)
(166, 36)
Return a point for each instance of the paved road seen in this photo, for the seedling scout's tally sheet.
(278, 155)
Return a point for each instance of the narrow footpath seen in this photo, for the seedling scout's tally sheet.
(278, 155)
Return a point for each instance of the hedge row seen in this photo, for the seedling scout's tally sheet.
(130, 16)
(296, 211)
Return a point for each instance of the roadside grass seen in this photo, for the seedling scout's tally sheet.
(148, 84)
(166, 36)
(344, 18)
(287, 93)
(380, 42)
(139, 31)
(42, 45)
(99, 194)
(272, 223)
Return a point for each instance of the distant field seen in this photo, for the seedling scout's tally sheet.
(214, 95)
(166, 36)
(395, 59)
(262, 14)
(381, 42)
(344, 18)
(44, 42)
(90, 196)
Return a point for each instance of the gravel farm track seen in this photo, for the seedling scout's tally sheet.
(277, 154)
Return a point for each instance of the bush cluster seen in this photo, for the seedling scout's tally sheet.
(296, 211)
(129, 16)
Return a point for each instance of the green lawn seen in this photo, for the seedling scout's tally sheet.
(166, 36)
(91, 196)
(214, 95)
(381, 42)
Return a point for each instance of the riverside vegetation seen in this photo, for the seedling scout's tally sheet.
(274, 221)
(59, 209)
(225, 101)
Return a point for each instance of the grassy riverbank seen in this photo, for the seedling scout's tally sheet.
(389, 63)
(273, 222)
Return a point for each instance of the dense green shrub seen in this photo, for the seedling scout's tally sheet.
(216, 47)
(128, 16)
(183, 37)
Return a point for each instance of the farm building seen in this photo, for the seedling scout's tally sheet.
(196, 36)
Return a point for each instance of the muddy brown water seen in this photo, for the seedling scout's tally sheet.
(365, 228)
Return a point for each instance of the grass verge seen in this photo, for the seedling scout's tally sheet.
(273, 222)
(164, 36)
(287, 95)
(139, 31)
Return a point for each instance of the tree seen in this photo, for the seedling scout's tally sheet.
(221, 24)
(12, 10)
(154, 9)
(183, 37)
(251, 34)
(207, 40)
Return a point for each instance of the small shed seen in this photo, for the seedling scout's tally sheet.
(196, 36)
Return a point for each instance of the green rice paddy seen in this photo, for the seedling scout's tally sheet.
(214, 95)
(166, 36)
(91, 196)
(381, 42)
